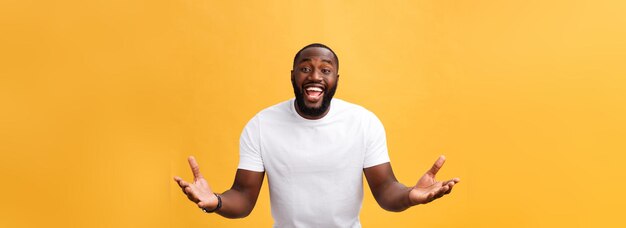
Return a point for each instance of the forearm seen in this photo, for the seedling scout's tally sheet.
(394, 196)
(390, 194)
(239, 201)
(235, 204)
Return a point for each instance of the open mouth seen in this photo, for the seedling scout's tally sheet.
(313, 93)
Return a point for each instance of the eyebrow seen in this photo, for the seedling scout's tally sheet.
(323, 60)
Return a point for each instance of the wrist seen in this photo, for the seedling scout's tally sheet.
(412, 198)
(216, 207)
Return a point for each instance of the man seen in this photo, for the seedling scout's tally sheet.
(314, 150)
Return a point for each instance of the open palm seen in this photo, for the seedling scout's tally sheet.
(428, 189)
(199, 190)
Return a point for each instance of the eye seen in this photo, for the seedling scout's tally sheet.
(326, 71)
(305, 70)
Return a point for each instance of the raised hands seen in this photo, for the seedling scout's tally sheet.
(428, 189)
(199, 190)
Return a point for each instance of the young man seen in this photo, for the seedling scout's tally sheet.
(314, 150)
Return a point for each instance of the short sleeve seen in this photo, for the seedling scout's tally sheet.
(376, 142)
(249, 147)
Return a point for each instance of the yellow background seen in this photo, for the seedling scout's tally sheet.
(102, 101)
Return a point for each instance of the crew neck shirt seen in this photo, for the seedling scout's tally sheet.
(314, 167)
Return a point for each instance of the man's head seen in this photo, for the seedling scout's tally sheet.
(314, 79)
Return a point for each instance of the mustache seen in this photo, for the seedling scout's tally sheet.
(329, 92)
(314, 84)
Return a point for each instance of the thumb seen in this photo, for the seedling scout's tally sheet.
(438, 164)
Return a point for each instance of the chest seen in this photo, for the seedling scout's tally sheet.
(313, 149)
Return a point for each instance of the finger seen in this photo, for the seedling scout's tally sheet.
(433, 192)
(179, 180)
(442, 191)
(194, 167)
(451, 185)
(193, 194)
(438, 164)
(186, 191)
(192, 198)
(450, 181)
(429, 197)
(182, 183)
(189, 192)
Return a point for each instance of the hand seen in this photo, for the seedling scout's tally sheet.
(199, 191)
(428, 189)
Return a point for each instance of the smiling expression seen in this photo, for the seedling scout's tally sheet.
(314, 78)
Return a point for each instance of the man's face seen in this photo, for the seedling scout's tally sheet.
(314, 79)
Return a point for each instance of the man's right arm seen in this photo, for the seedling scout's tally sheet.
(237, 202)
(240, 199)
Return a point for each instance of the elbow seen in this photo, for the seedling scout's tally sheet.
(238, 214)
(245, 213)
(391, 208)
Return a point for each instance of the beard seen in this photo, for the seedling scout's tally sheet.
(312, 111)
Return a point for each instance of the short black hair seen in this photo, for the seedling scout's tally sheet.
(316, 45)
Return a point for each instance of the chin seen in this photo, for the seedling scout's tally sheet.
(314, 106)
(313, 109)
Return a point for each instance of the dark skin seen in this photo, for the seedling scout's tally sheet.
(316, 66)
(237, 202)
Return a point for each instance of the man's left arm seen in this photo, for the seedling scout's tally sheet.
(391, 195)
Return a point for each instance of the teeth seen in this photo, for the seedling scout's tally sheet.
(314, 89)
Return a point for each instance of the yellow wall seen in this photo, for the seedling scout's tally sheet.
(101, 102)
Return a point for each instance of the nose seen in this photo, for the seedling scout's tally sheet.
(315, 76)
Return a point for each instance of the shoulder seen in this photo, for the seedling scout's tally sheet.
(352, 109)
(281, 107)
(277, 111)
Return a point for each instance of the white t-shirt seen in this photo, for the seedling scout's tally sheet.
(314, 167)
